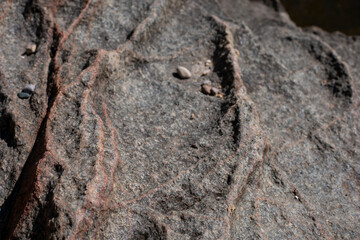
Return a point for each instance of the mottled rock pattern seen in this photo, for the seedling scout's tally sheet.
(112, 146)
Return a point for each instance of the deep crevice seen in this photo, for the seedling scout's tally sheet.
(222, 64)
(44, 226)
(224, 67)
(7, 122)
(236, 124)
(27, 9)
(7, 129)
(15, 204)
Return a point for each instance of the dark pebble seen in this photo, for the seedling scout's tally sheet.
(23, 95)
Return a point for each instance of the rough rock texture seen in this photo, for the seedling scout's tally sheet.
(112, 145)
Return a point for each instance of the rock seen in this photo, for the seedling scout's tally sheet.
(214, 91)
(30, 48)
(23, 95)
(208, 63)
(183, 72)
(27, 91)
(206, 89)
(29, 88)
(101, 153)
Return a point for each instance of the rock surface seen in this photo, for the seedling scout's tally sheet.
(112, 146)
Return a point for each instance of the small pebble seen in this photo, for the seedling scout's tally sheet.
(23, 95)
(29, 88)
(214, 91)
(219, 95)
(183, 72)
(208, 63)
(27, 91)
(31, 48)
(192, 116)
(206, 89)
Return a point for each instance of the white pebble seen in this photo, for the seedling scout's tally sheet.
(183, 72)
(31, 48)
(30, 88)
(208, 63)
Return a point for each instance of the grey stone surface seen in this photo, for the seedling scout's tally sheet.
(113, 146)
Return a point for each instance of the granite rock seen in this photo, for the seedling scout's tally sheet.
(106, 149)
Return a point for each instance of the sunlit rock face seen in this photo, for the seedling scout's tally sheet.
(114, 144)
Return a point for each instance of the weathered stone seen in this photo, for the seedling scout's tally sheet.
(214, 91)
(30, 48)
(108, 147)
(183, 72)
(208, 63)
(206, 89)
(23, 95)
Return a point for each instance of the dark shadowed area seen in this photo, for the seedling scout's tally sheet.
(331, 15)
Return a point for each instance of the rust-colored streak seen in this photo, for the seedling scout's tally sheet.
(9, 2)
